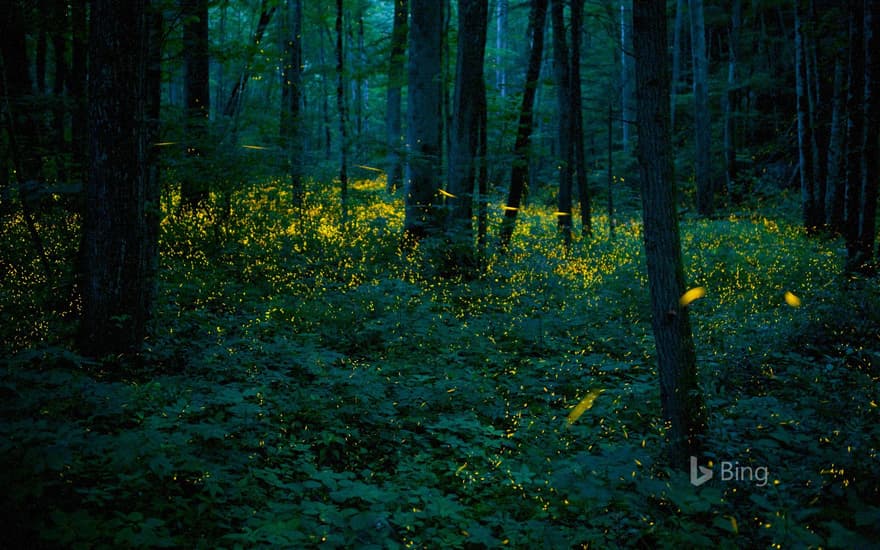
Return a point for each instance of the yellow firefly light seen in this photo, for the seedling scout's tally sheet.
(585, 404)
(447, 194)
(791, 299)
(693, 294)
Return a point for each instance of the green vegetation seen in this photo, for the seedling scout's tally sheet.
(311, 386)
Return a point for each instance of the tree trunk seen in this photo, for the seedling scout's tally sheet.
(702, 123)
(855, 133)
(468, 103)
(520, 169)
(396, 78)
(290, 126)
(196, 98)
(500, 46)
(118, 237)
(580, 161)
(871, 175)
(424, 119)
(836, 172)
(59, 49)
(676, 59)
(682, 404)
(343, 114)
(564, 117)
(77, 84)
(729, 101)
(626, 76)
(233, 103)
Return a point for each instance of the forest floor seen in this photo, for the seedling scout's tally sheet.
(308, 385)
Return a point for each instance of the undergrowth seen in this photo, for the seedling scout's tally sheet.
(308, 384)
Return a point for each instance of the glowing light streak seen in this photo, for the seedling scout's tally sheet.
(693, 294)
(791, 299)
(585, 404)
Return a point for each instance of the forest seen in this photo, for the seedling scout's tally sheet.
(439, 274)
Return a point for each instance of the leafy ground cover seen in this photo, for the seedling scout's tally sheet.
(311, 385)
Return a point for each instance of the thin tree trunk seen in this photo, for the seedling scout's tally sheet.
(292, 135)
(836, 171)
(196, 98)
(500, 46)
(77, 87)
(702, 122)
(680, 397)
(519, 171)
(343, 115)
(610, 171)
(564, 117)
(396, 78)
(626, 76)
(676, 59)
(855, 133)
(871, 175)
(233, 103)
(729, 100)
(580, 161)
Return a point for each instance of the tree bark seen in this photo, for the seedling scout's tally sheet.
(729, 101)
(118, 238)
(468, 103)
(196, 98)
(676, 59)
(562, 71)
(424, 118)
(520, 169)
(681, 402)
(836, 171)
(343, 114)
(702, 122)
(500, 46)
(855, 133)
(396, 78)
(290, 127)
(871, 174)
(579, 158)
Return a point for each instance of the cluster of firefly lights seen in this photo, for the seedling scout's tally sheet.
(693, 294)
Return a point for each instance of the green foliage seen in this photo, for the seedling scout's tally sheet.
(311, 385)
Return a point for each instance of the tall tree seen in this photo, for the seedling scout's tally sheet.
(290, 127)
(679, 393)
(626, 80)
(804, 123)
(77, 84)
(702, 122)
(562, 71)
(343, 112)
(676, 58)
(579, 155)
(196, 97)
(233, 103)
(500, 45)
(469, 100)
(424, 121)
(871, 169)
(118, 244)
(855, 135)
(396, 77)
(729, 103)
(520, 169)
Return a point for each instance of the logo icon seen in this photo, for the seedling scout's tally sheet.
(704, 475)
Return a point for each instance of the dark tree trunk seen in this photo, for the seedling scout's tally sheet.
(580, 161)
(729, 102)
(424, 120)
(520, 169)
(682, 404)
(468, 103)
(855, 136)
(804, 121)
(868, 218)
(196, 98)
(500, 46)
(343, 114)
(836, 172)
(118, 237)
(396, 78)
(702, 121)
(676, 59)
(290, 126)
(59, 49)
(564, 115)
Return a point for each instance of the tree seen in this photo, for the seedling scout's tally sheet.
(855, 135)
(233, 103)
(423, 116)
(343, 114)
(519, 170)
(396, 76)
(702, 122)
(805, 125)
(871, 169)
(579, 156)
(679, 393)
(196, 96)
(120, 223)
(290, 127)
(562, 69)
(468, 111)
